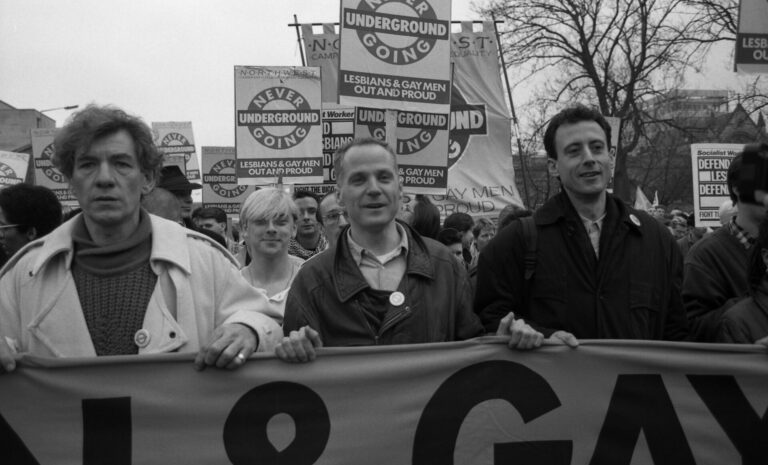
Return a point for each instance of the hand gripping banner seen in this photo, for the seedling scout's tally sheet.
(473, 402)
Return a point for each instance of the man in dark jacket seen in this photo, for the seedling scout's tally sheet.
(602, 269)
(382, 283)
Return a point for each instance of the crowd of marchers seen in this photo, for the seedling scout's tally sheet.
(135, 270)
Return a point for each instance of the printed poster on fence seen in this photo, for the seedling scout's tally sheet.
(751, 54)
(606, 402)
(46, 174)
(13, 168)
(175, 140)
(396, 54)
(278, 131)
(322, 50)
(220, 187)
(421, 147)
(710, 163)
(481, 176)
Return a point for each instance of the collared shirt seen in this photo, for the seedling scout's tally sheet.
(593, 230)
(382, 272)
(740, 233)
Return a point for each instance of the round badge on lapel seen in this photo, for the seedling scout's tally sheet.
(634, 219)
(141, 338)
(396, 298)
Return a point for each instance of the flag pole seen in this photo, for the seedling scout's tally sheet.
(514, 114)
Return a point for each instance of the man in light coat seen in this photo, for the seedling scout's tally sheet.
(116, 280)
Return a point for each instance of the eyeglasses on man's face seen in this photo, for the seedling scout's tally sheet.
(334, 215)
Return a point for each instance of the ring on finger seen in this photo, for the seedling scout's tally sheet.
(240, 357)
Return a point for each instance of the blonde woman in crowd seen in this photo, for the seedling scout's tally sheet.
(268, 222)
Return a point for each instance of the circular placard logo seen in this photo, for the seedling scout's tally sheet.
(397, 32)
(223, 181)
(279, 118)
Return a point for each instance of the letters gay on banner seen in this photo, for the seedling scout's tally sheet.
(46, 174)
(396, 54)
(421, 147)
(220, 187)
(175, 140)
(752, 39)
(13, 168)
(278, 135)
(710, 163)
(606, 402)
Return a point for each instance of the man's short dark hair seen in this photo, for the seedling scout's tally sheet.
(462, 222)
(426, 217)
(301, 194)
(31, 207)
(341, 153)
(449, 236)
(213, 213)
(732, 179)
(573, 115)
(95, 122)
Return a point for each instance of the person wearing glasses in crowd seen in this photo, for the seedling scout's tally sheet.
(27, 213)
(268, 221)
(333, 217)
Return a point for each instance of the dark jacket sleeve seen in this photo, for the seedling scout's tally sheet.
(467, 322)
(298, 306)
(676, 322)
(500, 278)
(705, 297)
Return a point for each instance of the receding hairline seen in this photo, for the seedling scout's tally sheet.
(342, 155)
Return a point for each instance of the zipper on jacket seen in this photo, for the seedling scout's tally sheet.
(367, 323)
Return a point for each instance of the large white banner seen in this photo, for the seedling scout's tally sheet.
(176, 140)
(278, 135)
(396, 54)
(13, 168)
(709, 163)
(322, 50)
(220, 187)
(474, 402)
(752, 39)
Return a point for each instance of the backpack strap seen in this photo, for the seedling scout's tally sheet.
(529, 236)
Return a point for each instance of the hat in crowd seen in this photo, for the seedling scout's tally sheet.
(172, 179)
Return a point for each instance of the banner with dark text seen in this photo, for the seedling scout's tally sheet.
(606, 402)
(751, 53)
(395, 54)
(46, 174)
(220, 187)
(13, 168)
(176, 140)
(278, 131)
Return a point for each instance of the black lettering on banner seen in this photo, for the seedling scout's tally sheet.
(12, 448)
(107, 431)
(526, 390)
(641, 403)
(746, 430)
(245, 431)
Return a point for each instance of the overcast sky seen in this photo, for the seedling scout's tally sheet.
(164, 60)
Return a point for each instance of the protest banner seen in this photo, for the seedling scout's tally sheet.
(751, 55)
(175, 139)
(220, 187)
(606, 402)
(481, 179)
(46, 174)
(421, 146)
(13, 168)
(278, 132)
(322, 50)
(709, 163)
(395, 54)
(338, 129)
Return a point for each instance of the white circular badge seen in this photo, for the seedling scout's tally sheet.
(396, 298)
